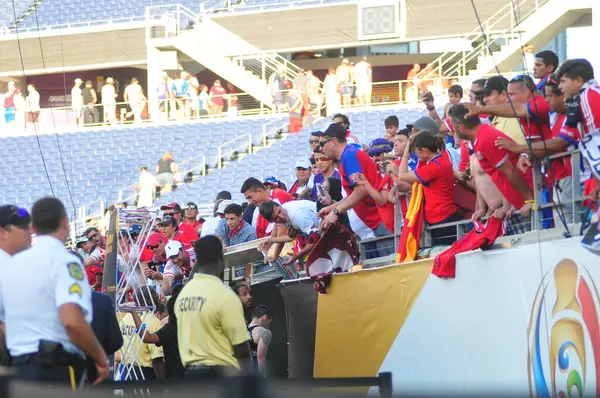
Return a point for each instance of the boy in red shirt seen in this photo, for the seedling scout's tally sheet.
(500, 165)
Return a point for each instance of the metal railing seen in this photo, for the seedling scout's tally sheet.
(126, 21)
(500, 29)
(242, 6)
(228, 148)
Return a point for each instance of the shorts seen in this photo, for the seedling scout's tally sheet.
(9, 115)
(347, 88)
(164, 179)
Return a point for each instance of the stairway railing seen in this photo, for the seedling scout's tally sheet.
(500, 28)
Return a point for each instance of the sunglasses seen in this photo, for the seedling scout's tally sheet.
(152, 247)
(18, 216)
(93, 236)
(173, 257)
(324, 142)
(313, 141)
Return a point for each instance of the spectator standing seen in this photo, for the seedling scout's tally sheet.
(192, 92)
(234, 230)
(326, 170)
(11, 101)
(392, 124)
(32, 103)
(90, 99)
(163, 93)
(203, 103)
(135, 98)
(545, 64)
(331, 93)
(109, 102)
(165, 172)
(190, 224)
(314, 94)
(412, 84)
(179, 88)
(296, 107)
(343, 76)
(277, 86)
(216, 97)
(146, 187)
(232, 101)
(256, 194)
(77, 102)
(363, 73)
(260, 336)
(210, 226)
(313, 140)
(304, 179)
(211, 330)
(528, 58)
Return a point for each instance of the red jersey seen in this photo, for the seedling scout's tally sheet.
(353, 161)
(386, 212)
(561, 167)
(466, 148)
(537, 126)
(491, 158)
(277, 195)
(437, 177)
(590, 108)
(189, 230)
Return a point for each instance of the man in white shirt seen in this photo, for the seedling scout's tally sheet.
(210, 225)
(134, 97)
(48, 329)
(364, 81)
(77, 101)
(146, 187)
(32, 104)
(109, 101)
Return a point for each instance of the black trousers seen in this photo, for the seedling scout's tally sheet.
(56, 374)
(204, 372)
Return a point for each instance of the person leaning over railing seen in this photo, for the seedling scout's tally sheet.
(564, 138)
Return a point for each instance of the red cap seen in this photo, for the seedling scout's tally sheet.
(155, 238)
(91, 273)
(171, 206)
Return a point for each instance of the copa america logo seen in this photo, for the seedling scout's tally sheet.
(564, 334)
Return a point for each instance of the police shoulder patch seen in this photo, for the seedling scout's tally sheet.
(75, 270)
(75, 288)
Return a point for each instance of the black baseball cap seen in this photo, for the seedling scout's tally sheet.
(404, 131)
(336, 130)
(167, 220)
(494, 83)
(191, 205)
(13, 215)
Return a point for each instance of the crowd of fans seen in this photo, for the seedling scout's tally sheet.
(475, 160)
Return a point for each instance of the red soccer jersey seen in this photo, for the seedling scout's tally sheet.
(437, 177)
(491, 158)
(386, 212)
(353, 160)
(279, 196)
(465, 157)
(537, 126)
(561, 167)
(590, 108)
(189, 230)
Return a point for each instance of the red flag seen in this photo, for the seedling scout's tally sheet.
(482, 236)
(336, 251)
(413, 225)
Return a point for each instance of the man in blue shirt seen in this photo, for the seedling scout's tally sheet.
(233, 230)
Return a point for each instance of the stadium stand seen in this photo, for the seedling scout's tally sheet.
(8, 14)
(99, 162)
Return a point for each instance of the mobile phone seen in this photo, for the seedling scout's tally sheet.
(320, 189)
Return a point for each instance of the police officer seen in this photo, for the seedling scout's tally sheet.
(15, 236)
(211, 330)
(47, 323)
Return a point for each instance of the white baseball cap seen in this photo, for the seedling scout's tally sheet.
(303, 163)
(172, 248)
(223, 205)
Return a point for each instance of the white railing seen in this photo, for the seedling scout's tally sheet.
(244, 143)
(500, 28)
(243, 6)
(128, 21)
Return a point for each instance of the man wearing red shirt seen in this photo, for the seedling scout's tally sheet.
(536, 122)
(170, 230)
(353, 160)
(500, 165)
(582, 95)
(190, 224)
(564, 138)
(256, 193)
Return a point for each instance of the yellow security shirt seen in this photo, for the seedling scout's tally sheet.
(210, 321)
(131, 351)
(511, 127)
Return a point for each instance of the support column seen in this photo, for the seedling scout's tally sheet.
(154, 78)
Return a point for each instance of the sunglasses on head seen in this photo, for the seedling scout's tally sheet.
(18, 216)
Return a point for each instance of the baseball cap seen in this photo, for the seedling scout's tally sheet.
(336, 130)
(271, 181)
(191, 205)
(172, 248)
(154, 239)
(318, 133)
(303, 164)
(81, 240)
(171, 206)
(379, 145)
(494, 83)
(13, 215)
(404, 131)
(425, 124)
(223, 205)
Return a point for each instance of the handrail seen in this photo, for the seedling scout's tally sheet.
(266, 126)
(220, 153)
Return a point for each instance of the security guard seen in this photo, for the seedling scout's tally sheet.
(15, 236)
(47, 323)
(211, 330)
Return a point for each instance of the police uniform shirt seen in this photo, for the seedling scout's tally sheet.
(134, 350)
(210, 321)
(54, 277)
